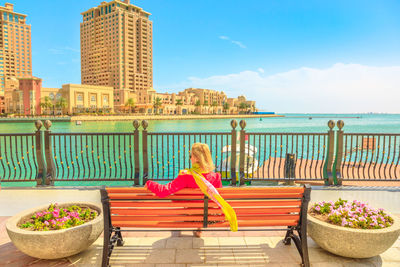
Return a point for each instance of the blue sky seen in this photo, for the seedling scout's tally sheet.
(287, 55)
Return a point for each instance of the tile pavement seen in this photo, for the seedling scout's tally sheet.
(181, 249)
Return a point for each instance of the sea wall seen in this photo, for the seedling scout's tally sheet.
(167, 117)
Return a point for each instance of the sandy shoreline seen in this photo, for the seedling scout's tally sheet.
(168, 117)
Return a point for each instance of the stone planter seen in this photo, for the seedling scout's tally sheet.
(58, 243)
(352, 243)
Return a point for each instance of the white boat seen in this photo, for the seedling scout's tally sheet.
(78, 122)
(250, 161)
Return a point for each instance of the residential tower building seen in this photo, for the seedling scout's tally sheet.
(15, 45)
(116, 50)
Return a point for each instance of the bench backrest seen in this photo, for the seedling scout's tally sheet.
(189, 208)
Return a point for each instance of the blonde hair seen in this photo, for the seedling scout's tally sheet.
(202, 153)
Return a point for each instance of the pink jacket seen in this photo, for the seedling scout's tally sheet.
(182, 181)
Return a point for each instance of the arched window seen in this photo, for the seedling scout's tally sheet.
(51, 96)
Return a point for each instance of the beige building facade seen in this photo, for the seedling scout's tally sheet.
(80, 98)
(15, 45)
(29, 98)
(116, 50)
(197, 101)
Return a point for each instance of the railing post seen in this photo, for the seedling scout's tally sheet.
(39, 154)
(136, 125)
(145, 124)
(290, 167)
(233, 153)
(328, 177)
(337, 177)
(50, 175)
(242, 124)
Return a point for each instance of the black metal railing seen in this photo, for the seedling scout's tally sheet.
(167, 153)
(92, 156)
(253, 157)
(20, 158)
(366, 156)
(240, 156)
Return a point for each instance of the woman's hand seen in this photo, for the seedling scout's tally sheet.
(181, 172)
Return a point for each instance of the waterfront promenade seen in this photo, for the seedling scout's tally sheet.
(181, 249)
(130, 117)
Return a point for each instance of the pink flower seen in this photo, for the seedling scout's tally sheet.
(46, 222)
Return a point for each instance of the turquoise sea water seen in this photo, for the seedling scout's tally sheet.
(362, 123)
(358, 123)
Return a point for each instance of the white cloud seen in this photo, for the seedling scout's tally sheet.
(62, 50)
(240, 44)
(342, 88)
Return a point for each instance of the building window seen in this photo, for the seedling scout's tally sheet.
(93, 98)
(51, 96)
(79, 97)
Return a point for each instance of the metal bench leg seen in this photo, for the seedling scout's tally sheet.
(120, 241)
(304, 248)
(288, 235)
(106, 249)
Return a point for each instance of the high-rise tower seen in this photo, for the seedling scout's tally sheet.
(116, 49)
(15, 46)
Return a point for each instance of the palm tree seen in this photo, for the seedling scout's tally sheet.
(225, 106)
(157, 104)
(131, 104)
(179, 102)
(243, 106)
(62, 104)
(197, 104)
(214, 104)
(47, 104)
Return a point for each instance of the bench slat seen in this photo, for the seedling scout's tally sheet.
(199, 197)
(158, 211)
(233, 203)
(188, 218)
(177, 225)
(256, 223)
(221, 190)
(192, 211)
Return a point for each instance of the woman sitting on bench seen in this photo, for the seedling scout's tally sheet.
(202, 161)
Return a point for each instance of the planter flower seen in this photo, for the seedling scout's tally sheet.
(56, 231)
(56, 218)
(352, 229)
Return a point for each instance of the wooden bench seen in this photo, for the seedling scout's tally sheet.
(257, 208)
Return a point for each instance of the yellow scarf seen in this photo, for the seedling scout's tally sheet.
(209, 190)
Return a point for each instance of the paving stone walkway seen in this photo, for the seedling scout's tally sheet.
(181, 249)
(167, 249)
